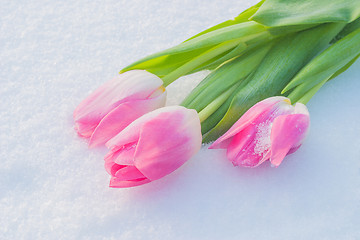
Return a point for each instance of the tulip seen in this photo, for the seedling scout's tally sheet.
(269, 130)
(117, 103)
(153, 146)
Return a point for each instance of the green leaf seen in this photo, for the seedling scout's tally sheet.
(344, 68)
(309, 93)
(214, 63)
(241, 31)
(214, 119)
(283, 30)
(217, 102)
(237, 52)
(240, 103)
(305, 91)
(165, 64)
(349, 28)
(164, 61)
(224, 77)
(325, 64)
(279, 66)
(295, 12)
(242, 17)
(197, 61)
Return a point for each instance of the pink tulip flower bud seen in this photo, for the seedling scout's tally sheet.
(117, 103)
(153, 146)
(269, 130)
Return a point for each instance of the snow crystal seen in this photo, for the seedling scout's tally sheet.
(262, 137)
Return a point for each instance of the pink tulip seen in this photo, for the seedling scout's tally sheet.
(117, 103)
(153, 146)
(269, 130)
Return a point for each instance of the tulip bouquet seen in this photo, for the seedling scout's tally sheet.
(271, 55)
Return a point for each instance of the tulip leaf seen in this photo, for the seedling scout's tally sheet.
(201, 59)
(310, 93)
(294, 12)
(171, 62)
(349, 28)
(224, 77)
(213, 119)
(327, 63)
(168, 60)
(238, 51)
(283, 30)
(344, 68)
(242, 17)
(302, 89)
(279, 66)
(212, 64)
(240, 103)
(305, 91)
(241, 31)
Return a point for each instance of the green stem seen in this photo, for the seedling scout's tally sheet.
(197, 61)
(214, 105)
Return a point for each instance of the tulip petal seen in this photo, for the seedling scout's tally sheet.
(251, 147)
(256, 113)
(239, 143)
(163, 140)
(132, 85)
(128, 173)
(249, 158)
(167, 141)
(130, 134)
(271, 129)
(123, 156)
(287, 133)
(122, 116)
(84, 129)
(112, 167)
(124, 176)
(116, 183)
(301, 109)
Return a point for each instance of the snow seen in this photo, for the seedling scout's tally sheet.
(262, 137)
(54, 53)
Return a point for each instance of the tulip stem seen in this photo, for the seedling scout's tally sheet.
(202, 58)
(214, 105)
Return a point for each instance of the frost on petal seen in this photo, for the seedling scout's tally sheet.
(288, 132)
(255, 114)
(271, 129)
(167, 141)
(251, 146)
(121, 117)
(262, 141)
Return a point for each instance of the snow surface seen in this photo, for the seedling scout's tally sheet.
(54, 53)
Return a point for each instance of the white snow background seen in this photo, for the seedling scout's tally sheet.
(54, 53)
